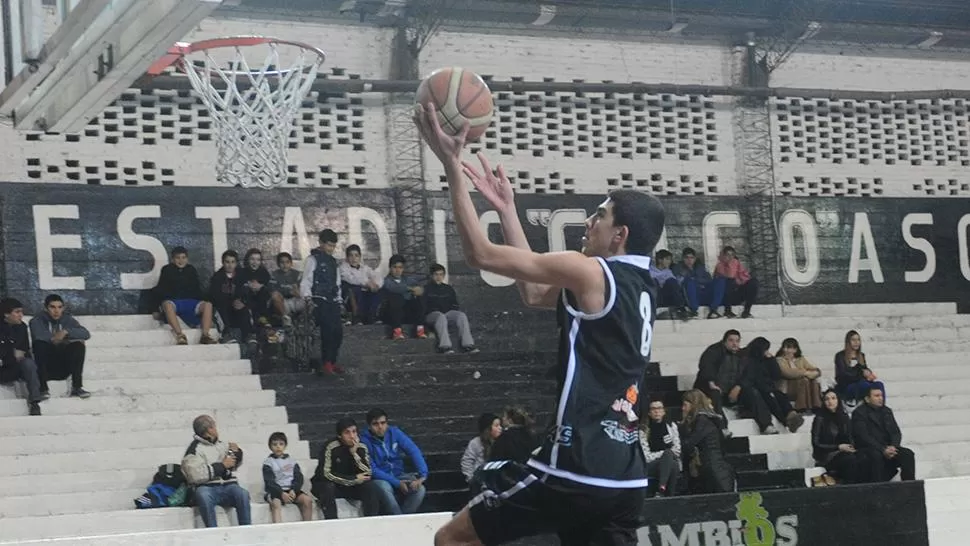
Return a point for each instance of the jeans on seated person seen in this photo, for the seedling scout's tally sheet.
(229, 495)
(697, 294)
(440, 321)
(671, 295)
(364, 304)
(59, 361)
(23, 370)
(727, 292)
(859, 389)
(394, 503)
(399, 311)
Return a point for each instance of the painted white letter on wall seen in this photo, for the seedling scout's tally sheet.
(141, 281)
(220, 237)
(862, 236)
(294, 226)
(356, 216)
(439, 228)
(962, 226)
(805, 224)
(47, 242)
(712, 225)
(920, 244)
(488, 218)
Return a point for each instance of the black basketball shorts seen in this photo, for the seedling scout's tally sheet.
(512, 501)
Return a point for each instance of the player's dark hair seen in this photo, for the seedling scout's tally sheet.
(179, 250)
(7, 305)
(643, 215)
(277, 436)
(352, 248)
(281, 255)
(396, 259)
(345, 423)
(328, 236)
(664, 254)
(375, 414)
(729, 333)
(436, 268)
(230, 254)
(51, 298)
(688, 252)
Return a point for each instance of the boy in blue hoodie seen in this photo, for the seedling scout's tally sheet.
(401, 492)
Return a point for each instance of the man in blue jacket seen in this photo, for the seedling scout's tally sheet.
(401, 492)
(695, 279)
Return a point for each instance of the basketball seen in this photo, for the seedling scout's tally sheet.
(459, 96)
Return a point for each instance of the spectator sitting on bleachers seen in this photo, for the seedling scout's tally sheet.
(695, 279)
(283, 481)
(479, 447)
(320, 288)
(761, 374)
(853, 376)
(708, 470)
(209, 465)
(285, 286)
(16, 363)
(732, 285)
(660, 440)
(669, 292)
(259, 300)
(400, 492)
(361, 286)
(799, 377)
(832, 443)
(517, 441)
(344, 471)
(180, 292)
(402, 301)
(441, 306)
(58, 341)
(227, 292)
(878, 437)
(719, 376)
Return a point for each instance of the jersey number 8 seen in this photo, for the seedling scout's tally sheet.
(646, 334)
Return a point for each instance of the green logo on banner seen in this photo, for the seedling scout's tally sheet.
(758, 529)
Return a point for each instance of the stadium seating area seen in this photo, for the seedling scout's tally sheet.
(75, 470)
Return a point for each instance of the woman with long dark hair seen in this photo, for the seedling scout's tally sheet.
(762, 373)
(518, 441)
(708, 470)
(853, 377)
(832, 444)
(480, 447)
(799, 377)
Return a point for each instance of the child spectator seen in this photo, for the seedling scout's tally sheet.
(732, 285)
(707, 469)
(181, 294)
(227, 294)
(285, 284)
(441, 304)
(660, 441)
(669, 292)
(283, 481)
(402, 301)
(477, 452)
(400, 492)
(320, 286)
(853, 377)
(259, 300)
(344, 471)
(360, 286)
(799, 377)
(16, 363)
(695, 280)
(253, 268)
(58, 340)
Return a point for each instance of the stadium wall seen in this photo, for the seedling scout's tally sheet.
(101, 246)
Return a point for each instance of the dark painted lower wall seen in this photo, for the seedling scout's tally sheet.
(100, 246)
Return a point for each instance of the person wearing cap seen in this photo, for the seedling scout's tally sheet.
(344, 471)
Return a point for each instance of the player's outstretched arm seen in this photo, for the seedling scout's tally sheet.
(570, 270)
(497, 190)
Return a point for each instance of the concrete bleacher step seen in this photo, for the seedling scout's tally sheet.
(166, 369)
(138, 521)
(155, 386)
(804, 324)
(143, 403)
(174, 353)
(128, 423)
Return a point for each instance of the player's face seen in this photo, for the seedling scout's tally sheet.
(600, 238)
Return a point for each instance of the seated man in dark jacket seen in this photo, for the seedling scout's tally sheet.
(226, 292)
(59, 347)
(441, 304)
(343, 471)
(180, 291)
(15, 360)
(878, 437)
(695, 279)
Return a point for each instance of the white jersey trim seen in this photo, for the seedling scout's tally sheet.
(567, 387)
(588, 480)
(609, 302)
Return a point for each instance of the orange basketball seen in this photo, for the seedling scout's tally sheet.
(459, 96)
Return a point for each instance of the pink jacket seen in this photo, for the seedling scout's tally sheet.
(732, 270)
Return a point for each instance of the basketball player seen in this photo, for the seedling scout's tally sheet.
(587, 480)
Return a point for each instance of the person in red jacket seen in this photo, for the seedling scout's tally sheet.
(732, 285)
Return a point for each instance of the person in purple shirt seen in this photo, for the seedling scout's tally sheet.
(669, 292)
(695, 279)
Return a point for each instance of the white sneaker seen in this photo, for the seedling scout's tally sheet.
(770, 429)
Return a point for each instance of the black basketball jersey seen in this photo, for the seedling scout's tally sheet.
(603, 356)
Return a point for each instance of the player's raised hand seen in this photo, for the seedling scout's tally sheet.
(446, 147)
(494, 186)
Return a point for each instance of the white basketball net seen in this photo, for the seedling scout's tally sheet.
(254, 111)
